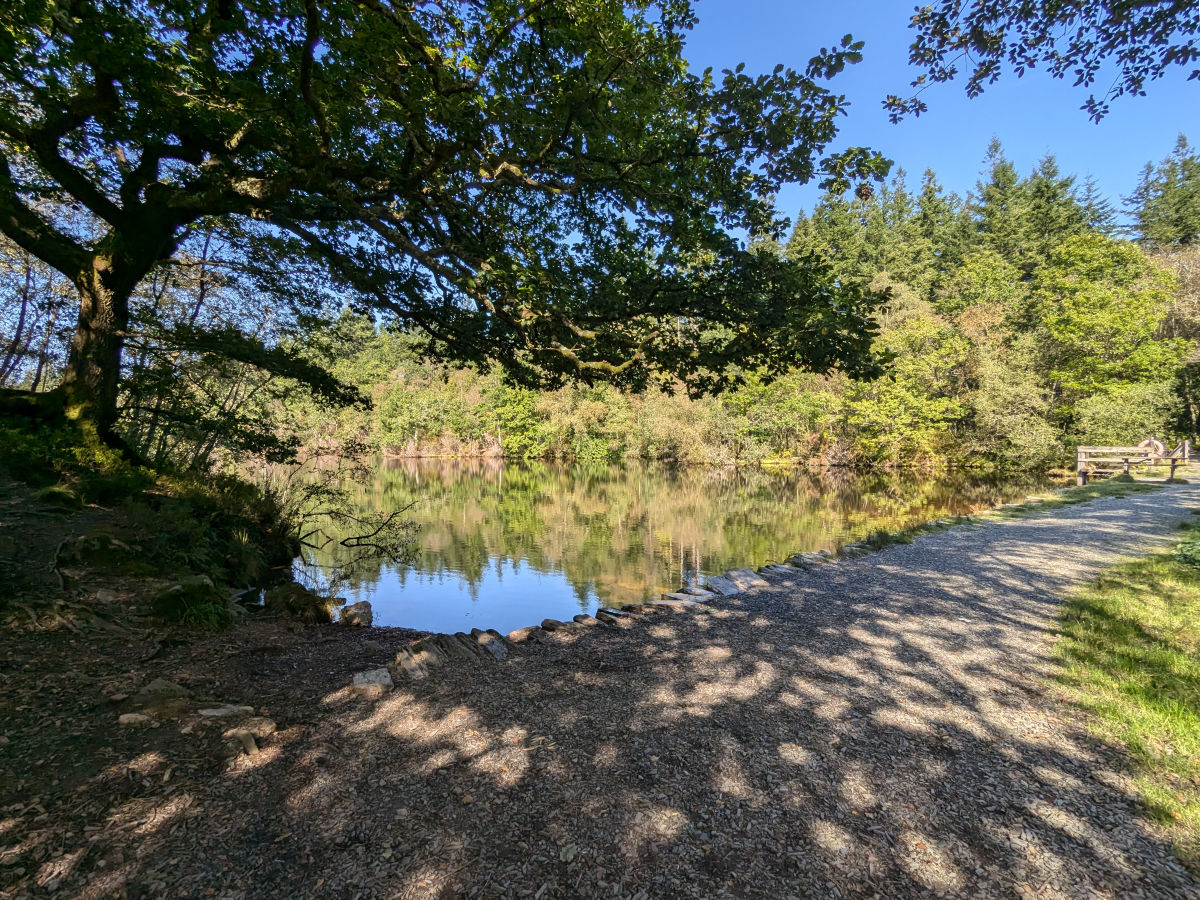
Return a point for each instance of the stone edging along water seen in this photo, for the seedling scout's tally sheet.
(418, 660)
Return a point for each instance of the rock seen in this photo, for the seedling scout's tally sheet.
(612, 618)
(259, 726)
(699, 592)
(679, 597)
(372, 646)
(491, 644)
(722, 586)
(298, 602)
(745, 578)
(564, 627)
(416, 660)
(246, 735)
(160, 690)
(618, 613)
(407, 664)
(521, 635)
(134, 719)
(243, 738)
(446, 646)
(672, 604)
(356, 614)
(226, 711)
(778, 571)
(589, 621)
(373, 683)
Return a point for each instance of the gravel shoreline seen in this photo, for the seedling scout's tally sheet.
(875, 727)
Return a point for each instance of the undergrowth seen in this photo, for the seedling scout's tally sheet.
(184, 521)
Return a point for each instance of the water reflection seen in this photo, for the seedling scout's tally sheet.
(505, 545)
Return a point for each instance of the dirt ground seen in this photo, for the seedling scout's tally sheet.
(879, 727)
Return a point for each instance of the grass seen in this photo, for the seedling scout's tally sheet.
(1129, 655)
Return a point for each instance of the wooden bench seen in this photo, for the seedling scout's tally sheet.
(1098, 462)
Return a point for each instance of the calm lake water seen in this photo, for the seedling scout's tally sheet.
(505, 545)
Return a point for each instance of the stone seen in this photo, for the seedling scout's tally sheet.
(226, 711)
(672, 604)
(259, 726)
(247, 734)
(134, 719)
(679, 597)
(159, 690)
(356, 614)
(552, 625)
(406, 663)
(699, 592)
(745, 578)
(605, 616)
(372, 646)
(243, 738)
(521, 635)
(778, 571)
(589, 621)
(491, 644)
(722, 586)
(447, 646)
(373, 683)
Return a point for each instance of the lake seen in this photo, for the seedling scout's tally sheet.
(505, 545)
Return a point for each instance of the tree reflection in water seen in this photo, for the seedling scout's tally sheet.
(505, 545)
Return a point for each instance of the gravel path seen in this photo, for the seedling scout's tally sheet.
(875, 728)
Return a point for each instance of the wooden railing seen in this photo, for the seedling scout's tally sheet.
(1101, 461)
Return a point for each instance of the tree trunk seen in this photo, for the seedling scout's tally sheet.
(91, 378)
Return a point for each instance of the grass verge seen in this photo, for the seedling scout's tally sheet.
(1129, 655)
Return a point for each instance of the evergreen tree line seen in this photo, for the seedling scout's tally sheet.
(1019, 321)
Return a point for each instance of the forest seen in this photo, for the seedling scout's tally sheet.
(1015, 322)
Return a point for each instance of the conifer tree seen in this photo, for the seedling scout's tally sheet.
(1166, 202)
(998, 205)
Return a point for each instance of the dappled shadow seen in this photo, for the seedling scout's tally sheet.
(874, 727)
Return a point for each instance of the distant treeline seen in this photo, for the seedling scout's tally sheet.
(1018, 321)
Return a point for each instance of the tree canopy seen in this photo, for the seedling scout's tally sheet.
(1139, 40)
(541, 182)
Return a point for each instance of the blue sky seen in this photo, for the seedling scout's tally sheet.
(1031, 115)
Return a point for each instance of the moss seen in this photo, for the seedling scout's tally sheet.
(194, 601)
(298, 602)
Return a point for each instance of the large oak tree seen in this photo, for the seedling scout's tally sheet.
(1119, 44)
(540, 182)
